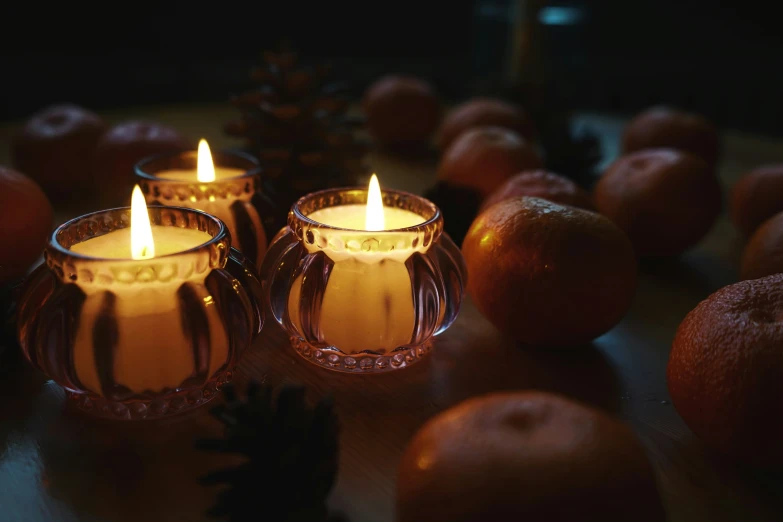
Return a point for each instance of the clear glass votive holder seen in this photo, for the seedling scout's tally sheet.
(140, 339)
(237, 198)
(362, 301)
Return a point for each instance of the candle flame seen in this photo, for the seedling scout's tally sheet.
(142, 244)
(205, 169)
(374, 217)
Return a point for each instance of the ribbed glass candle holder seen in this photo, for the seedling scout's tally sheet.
(235, 196)
(363, 301)
(140, 338)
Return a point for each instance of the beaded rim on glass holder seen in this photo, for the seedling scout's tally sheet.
(71, 266)
(173, 189)
(321, 236)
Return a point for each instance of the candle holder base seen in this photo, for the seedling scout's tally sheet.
(367, 362)
(153, 408)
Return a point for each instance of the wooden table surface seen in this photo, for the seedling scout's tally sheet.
(60, 465)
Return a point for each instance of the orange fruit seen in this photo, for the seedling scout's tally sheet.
(401, 111)
(121, 148)
(486, 157)
(25, 223)
(526, 456)
(541, 184)
(757, 196)
(725, 371)
(483, 112)
(548, 274)
(54, 148)
(665, 200)
(763, 254)
(667, 128)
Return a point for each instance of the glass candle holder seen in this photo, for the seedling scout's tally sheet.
(235, 196)
(363, 301)
(140, 339)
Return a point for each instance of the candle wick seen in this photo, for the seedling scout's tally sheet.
(144, 252)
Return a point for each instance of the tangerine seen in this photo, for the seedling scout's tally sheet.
(665, 200)
(541, 184)
(665, 127)
(725, 371)
(25, 223)
(483, 112)
(549, 274)
(483, 159)
(54, 148)
(763, 254)
(757, 196)
(526, 456)
(401, 111)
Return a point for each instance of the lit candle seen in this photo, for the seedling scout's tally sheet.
(139, 313)
(372, 217)
(205, 171)
(229, 190)
(368, 302)
(152, 350)
(362, 280)
(141, 240)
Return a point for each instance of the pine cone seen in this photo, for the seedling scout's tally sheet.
(295, 121)
(291, 453)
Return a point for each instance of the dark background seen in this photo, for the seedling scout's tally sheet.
(616, 56)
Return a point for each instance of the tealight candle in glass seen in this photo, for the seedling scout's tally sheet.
(134, 331)
(226, 185)
(363, 284)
